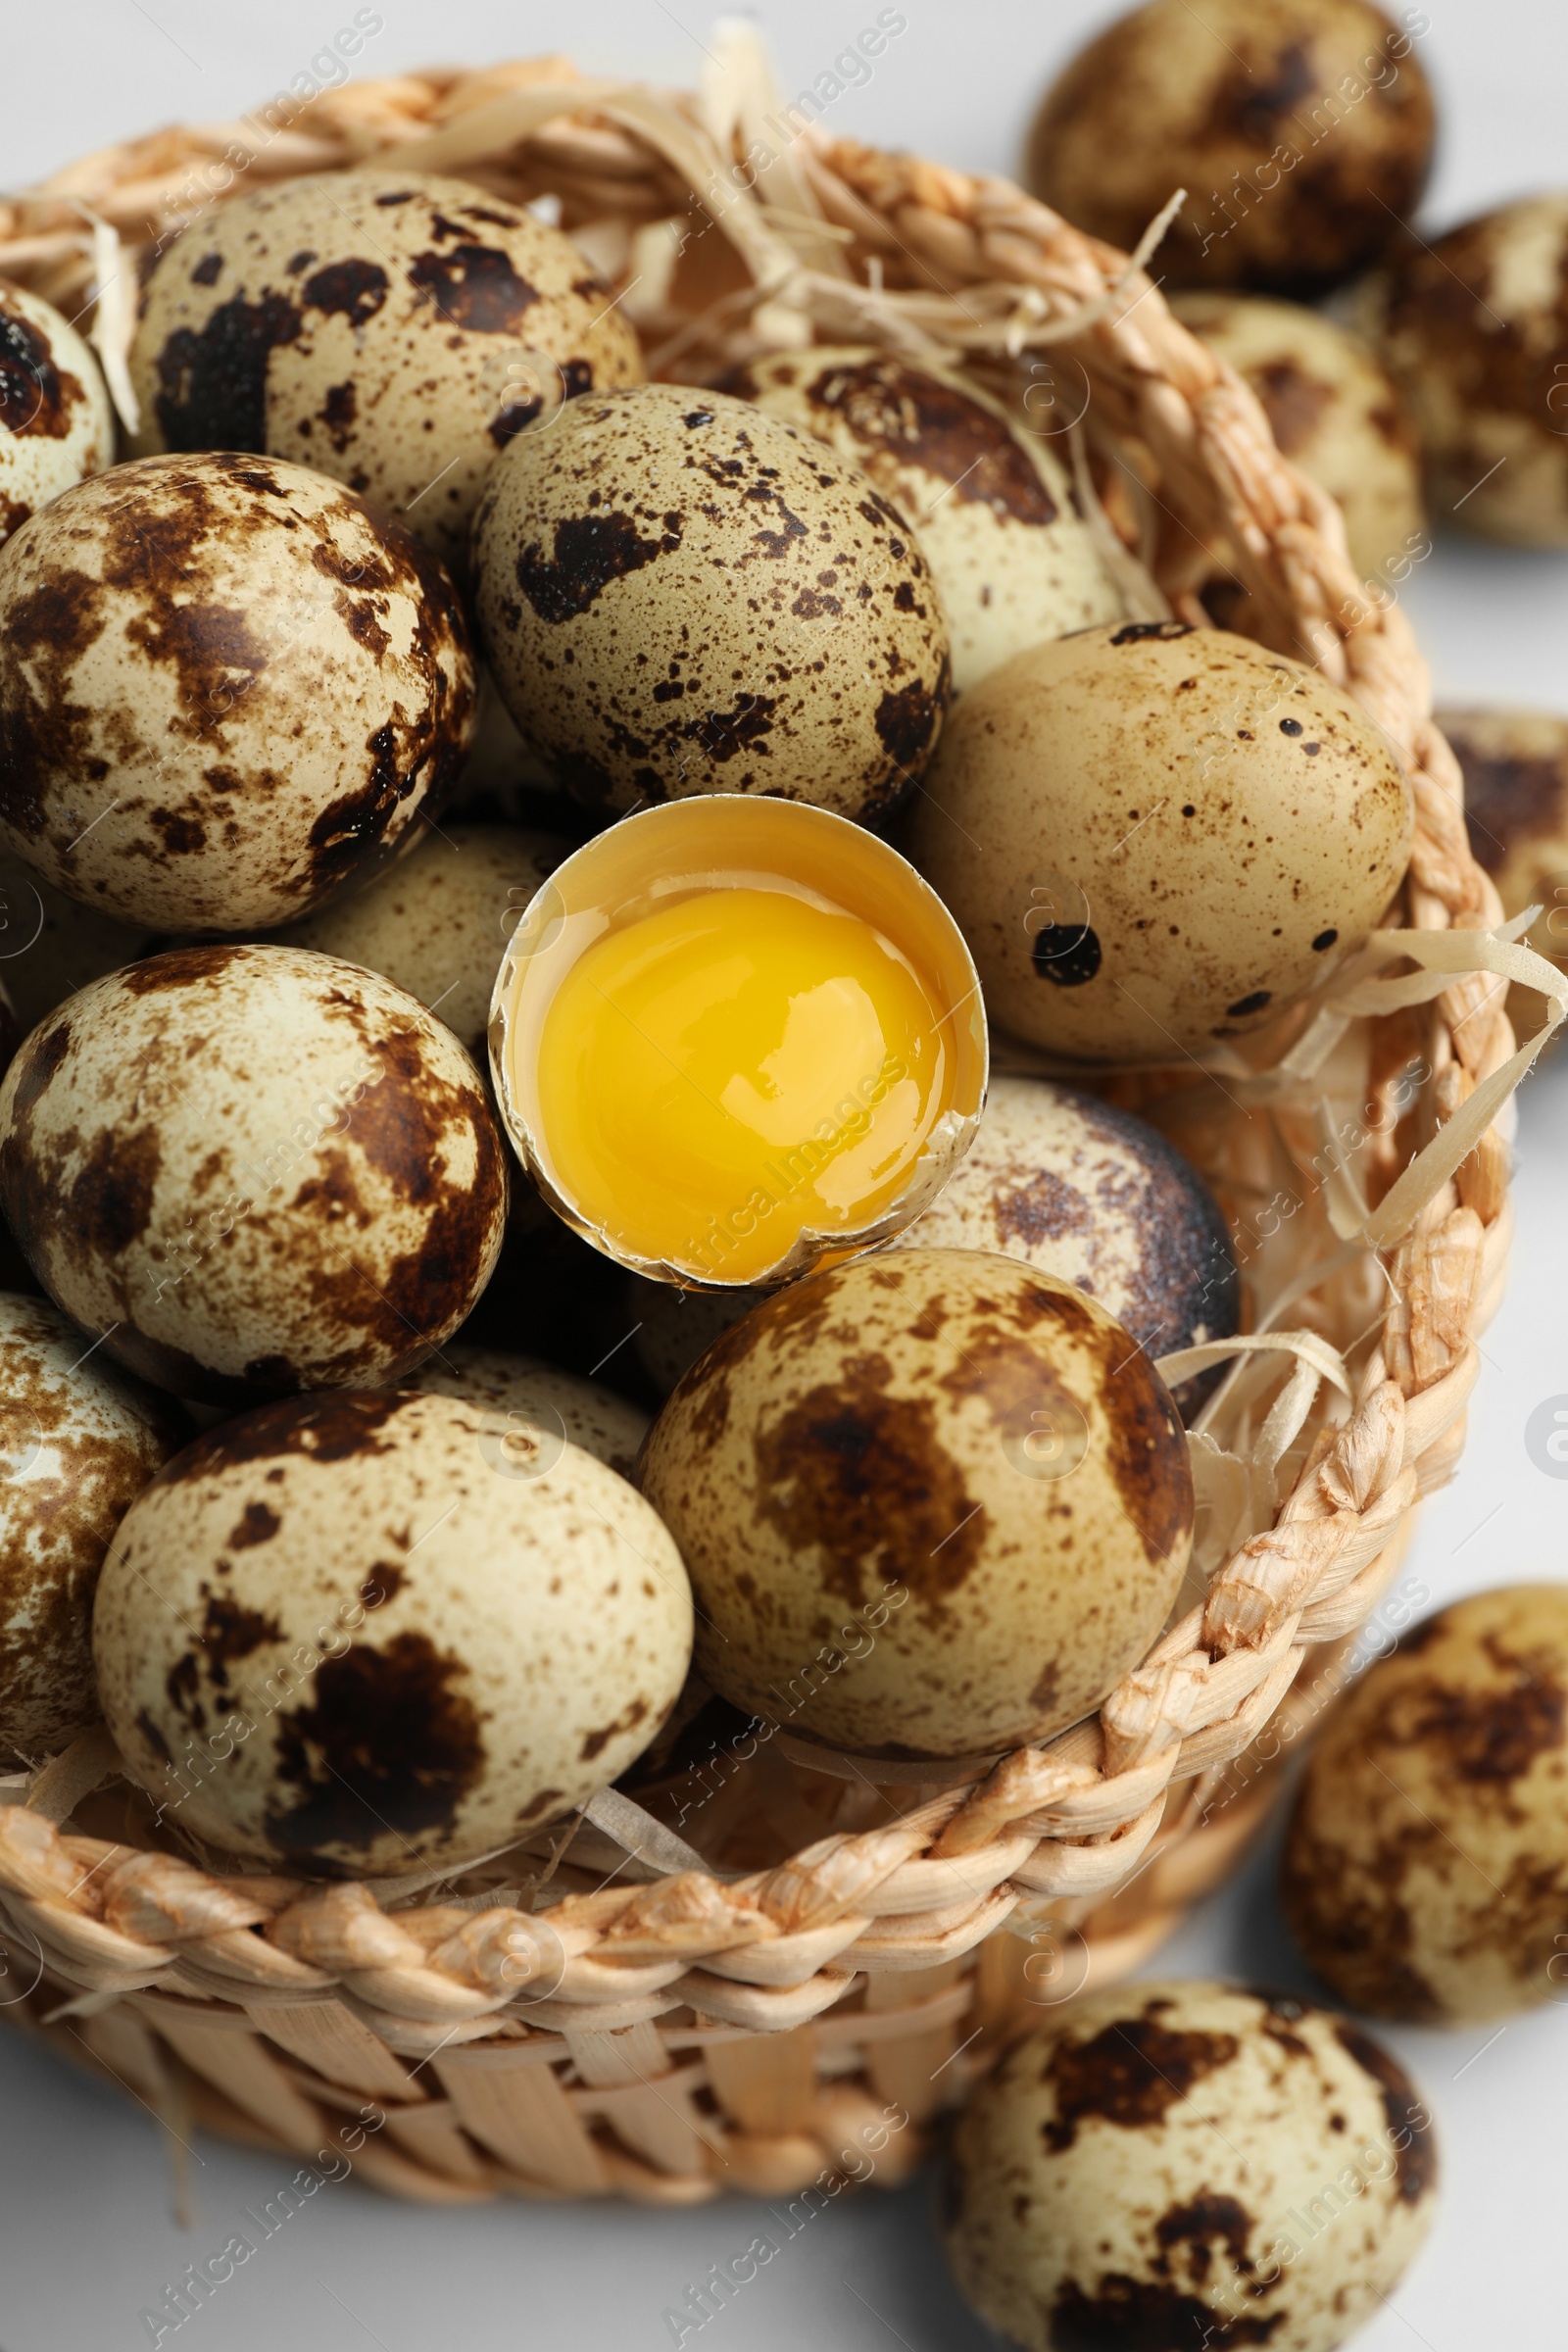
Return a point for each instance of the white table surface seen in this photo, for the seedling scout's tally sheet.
(86, 2240)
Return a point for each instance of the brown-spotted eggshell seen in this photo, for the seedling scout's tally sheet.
(77, 1444)
(1155, 835)
(679, 594)
(253, 1170)
(56, 423)
(1174, 2164)
(351, 1633)
(392, 328)
(932, 1502)
(229, 687)
(1426, 1873)
(537, 1406)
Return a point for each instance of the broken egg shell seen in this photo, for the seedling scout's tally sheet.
(230, 687)
(56, 422)
(1425, 1875)
(394, 329)
(526, 1394)
(78, 1441)
(681, 595)
(933, 1503)
(253, 1170)
(1094, 2198)
(1153, 837)
(715, 838)
(994, 512)
(349, 1634)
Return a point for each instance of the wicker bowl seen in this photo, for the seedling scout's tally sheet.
(795, 1995)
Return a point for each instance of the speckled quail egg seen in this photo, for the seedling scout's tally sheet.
(77, 1444)
(392, 328)
(1090, 1193)
(1472, 330)
(56, 423)
(253, 1170)
(679, 594)
(1302, 130)
(933, 1503)
(437, 922)
(1154, 836)
(1175, 2163)
(998, 519)
(1334, 411)
(537, 1407)
(228, 686)
(1426, 1870)
(1515, 766)
(50, 946)
(357, 1632)
(673, 1328)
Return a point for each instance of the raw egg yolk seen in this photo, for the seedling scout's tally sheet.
(739, 1066)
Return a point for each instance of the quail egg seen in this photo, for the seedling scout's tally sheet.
(229, 687)
(933, 1503)
(1175, 2163)
(253, 1170)
(77, 1444)
(50, 946)
(1426, 1872)
(437, 922)
(1515, 766)
(56, 423)
(538, 1407)
(673, 1328)
(1332, 410)
(1472, 330)
(1095, 1196)
(392, 328)
(1154, 836)
(1302, 130)
(1013, 561)
(359, 1633)
(679, 594)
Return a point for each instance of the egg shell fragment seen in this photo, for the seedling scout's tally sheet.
(252, 1169)
(229, 686)
(1301, 129)
(1426, 1870)
(998, 519)
(1334, 411)
(437, 922)
(78, 1442)
(678, 594)
(1154, 836)
(394, 329)
(56, 421)
(536, 1406)
(933, 1503)
(1173, 2164)
(1090, 1193)
(350, 1634)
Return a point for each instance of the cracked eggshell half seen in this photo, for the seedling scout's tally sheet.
(1153, 837)
(56, 422)
(78, 1441)
(678, 594)
(1189, 2164)
(392, 328)
(351, 1634)
(712, 842)
(1013, 562)
(253, 1170)
(933, 1505)
(228, 688)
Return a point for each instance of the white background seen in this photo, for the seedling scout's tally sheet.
(84, 2192)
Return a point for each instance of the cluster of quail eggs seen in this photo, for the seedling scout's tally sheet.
(380, 1517)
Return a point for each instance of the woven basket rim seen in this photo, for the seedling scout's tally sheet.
(907, 251)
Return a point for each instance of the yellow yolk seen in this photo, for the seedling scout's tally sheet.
(739, 1066)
